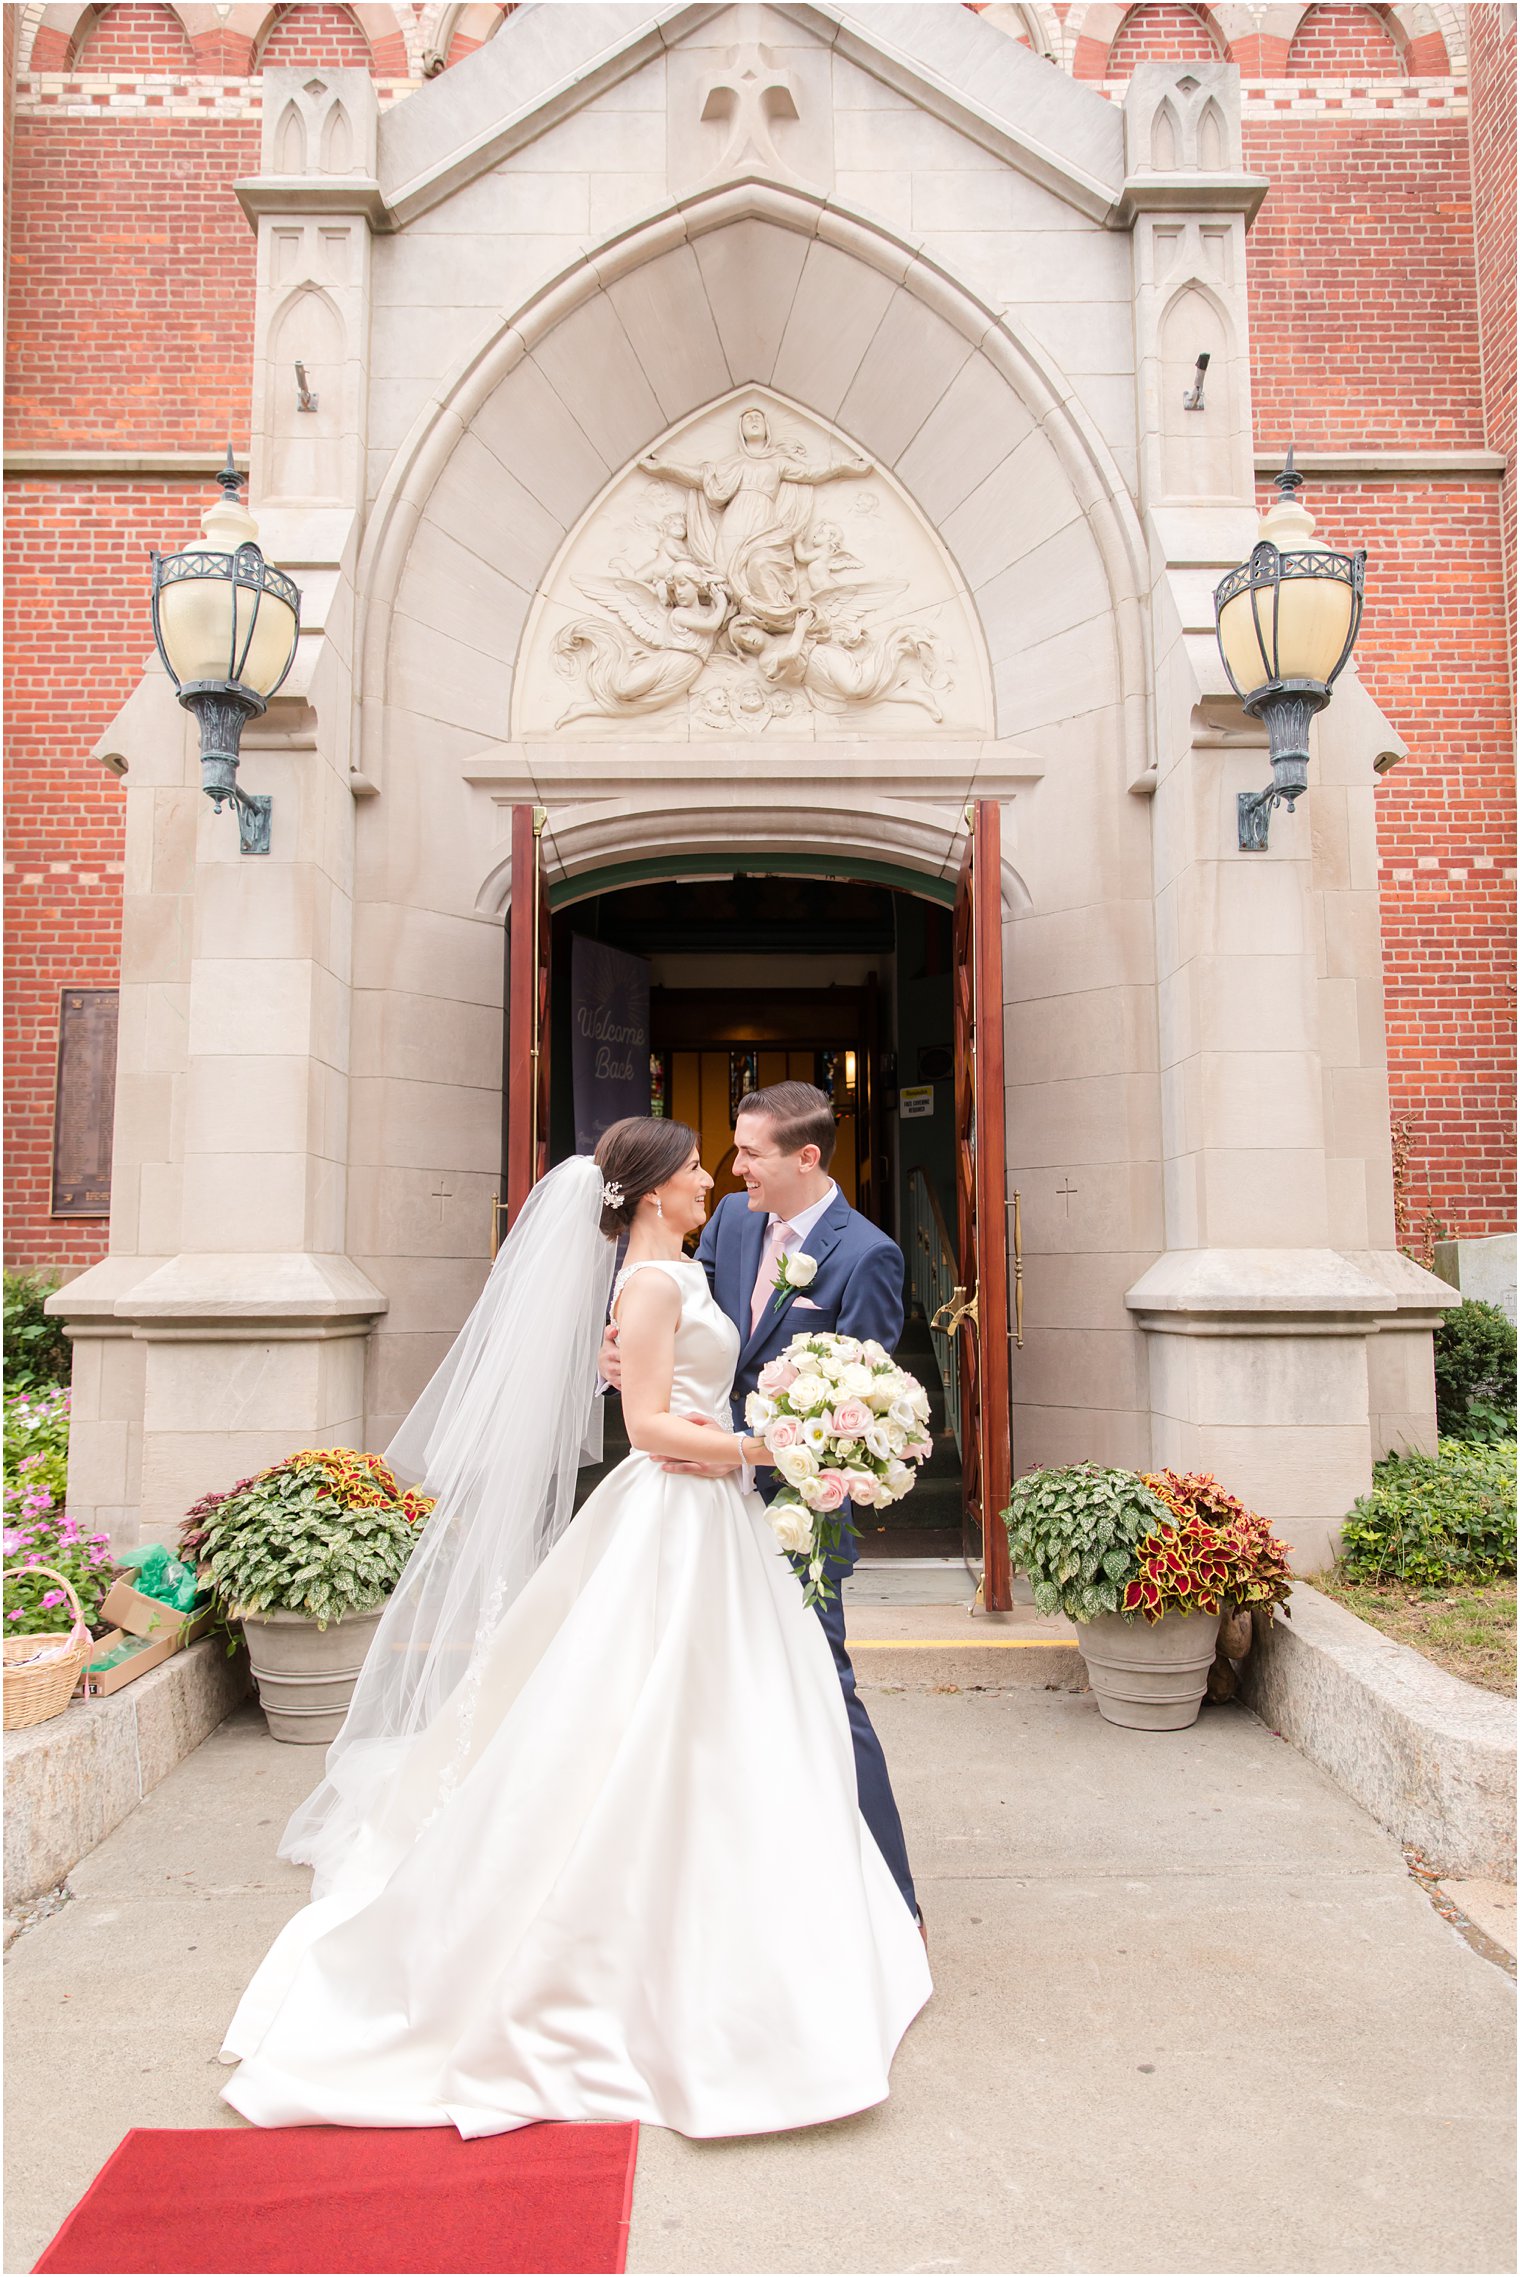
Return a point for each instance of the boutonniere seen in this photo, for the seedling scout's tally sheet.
(792, 1274)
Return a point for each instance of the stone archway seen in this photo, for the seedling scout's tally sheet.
(759, 284)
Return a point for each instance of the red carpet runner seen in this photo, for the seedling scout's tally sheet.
(255, 2199)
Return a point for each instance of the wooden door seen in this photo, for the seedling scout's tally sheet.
(527, 1011)
(980, 1184)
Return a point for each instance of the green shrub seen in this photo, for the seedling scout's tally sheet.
(37, 1353)
(1475, 1374)
(1074, 1533)
(1436, 1518)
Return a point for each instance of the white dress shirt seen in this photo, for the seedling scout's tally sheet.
(802, 1222)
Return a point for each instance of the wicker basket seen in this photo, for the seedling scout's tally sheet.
(33, 1694)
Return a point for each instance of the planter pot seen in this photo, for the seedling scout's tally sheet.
(305, 1675)
(1150, 1679)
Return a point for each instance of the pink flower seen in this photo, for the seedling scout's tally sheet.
(850, 1418)
(53, 1597)
(14, 1616)
(919, 1450)
(781, 1434)
(776, 1376)
(828, 1490)
(861, 1487)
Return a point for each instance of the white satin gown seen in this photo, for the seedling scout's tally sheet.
(651, 1895)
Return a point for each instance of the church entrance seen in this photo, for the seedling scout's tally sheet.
(739, 977)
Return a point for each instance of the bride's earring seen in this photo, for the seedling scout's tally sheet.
(658, 1208)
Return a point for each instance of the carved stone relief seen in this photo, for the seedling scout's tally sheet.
(753, 575)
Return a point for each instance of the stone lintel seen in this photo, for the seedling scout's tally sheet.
(280, 1295)
(1258, 1292)
(1188, 193)
(260, 194)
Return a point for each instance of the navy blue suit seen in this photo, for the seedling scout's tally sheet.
(858, 1290)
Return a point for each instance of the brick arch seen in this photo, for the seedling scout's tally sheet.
(1431, 39)
(60, 35)
(1109, 40)
(384, 32)
(1343, 42)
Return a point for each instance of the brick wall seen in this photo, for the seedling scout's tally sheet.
(132, 276)
(76, 637)
(1493, 184)
(1363, 322)
(1432, 654)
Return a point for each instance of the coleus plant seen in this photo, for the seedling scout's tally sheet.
(1254, 1561)
(326, 1532)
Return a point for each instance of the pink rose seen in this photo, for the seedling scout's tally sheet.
(850, 1418)
(861, 1487)
(829, 1490)
(775, 1377)
(781, 1434)
(919, 1449)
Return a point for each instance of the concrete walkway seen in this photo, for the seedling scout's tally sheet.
(1192, 2014)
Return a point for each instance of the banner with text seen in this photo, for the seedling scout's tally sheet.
(609, 1014)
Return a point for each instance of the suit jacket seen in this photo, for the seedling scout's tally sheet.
(858, 1288)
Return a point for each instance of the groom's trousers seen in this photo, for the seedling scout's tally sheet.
(878, 1805)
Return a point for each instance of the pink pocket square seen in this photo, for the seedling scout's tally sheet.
(805, 1304)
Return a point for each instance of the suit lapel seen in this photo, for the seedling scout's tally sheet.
(823, 1238)
(748, 1246)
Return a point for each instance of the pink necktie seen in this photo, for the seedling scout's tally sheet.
(765, 1279)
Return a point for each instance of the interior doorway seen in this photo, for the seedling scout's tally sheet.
(678, 987)
(759, 976)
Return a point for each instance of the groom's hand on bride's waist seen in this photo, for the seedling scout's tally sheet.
(608, 1364)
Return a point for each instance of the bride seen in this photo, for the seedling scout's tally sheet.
(587, 1845)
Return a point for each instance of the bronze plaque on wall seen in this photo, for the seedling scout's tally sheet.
(86, 1100)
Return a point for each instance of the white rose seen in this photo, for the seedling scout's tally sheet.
(897, 1437)
(901, 1412)
(810, 1490)
(801, 1270)
(808, 1394)
(918, 1400)
(856, 1381)
(792, 1527)
(847, 1348)
(899, 1480)
(795, 1464)
(831, 1365)
(880, 1395)
(758, 1411)
(870, 1350)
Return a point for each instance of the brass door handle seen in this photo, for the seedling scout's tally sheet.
(956, 1312)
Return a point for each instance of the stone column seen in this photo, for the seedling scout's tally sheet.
(1264, 1308)
(227, 1314)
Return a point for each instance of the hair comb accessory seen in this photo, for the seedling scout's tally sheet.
(612, 1195)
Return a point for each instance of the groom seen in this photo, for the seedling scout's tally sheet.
(783, 1141)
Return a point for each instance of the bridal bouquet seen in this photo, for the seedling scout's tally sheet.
(842, 1423)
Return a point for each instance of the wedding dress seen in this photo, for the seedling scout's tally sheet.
(646, 1891)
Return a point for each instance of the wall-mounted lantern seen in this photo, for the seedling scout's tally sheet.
(226, 623)
(1286, 622)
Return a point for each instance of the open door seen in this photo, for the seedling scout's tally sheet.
(981, 1303)
(527, 1011)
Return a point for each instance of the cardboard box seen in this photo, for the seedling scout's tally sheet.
(145, 1617)
(148, 1655)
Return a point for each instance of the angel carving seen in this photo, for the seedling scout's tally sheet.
(847, 667)
(655, 650)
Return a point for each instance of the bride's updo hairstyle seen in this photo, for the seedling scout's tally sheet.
(636, 1155)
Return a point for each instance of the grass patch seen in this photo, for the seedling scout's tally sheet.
(1467, 1629)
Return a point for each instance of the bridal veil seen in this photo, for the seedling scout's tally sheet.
(496, 1438)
